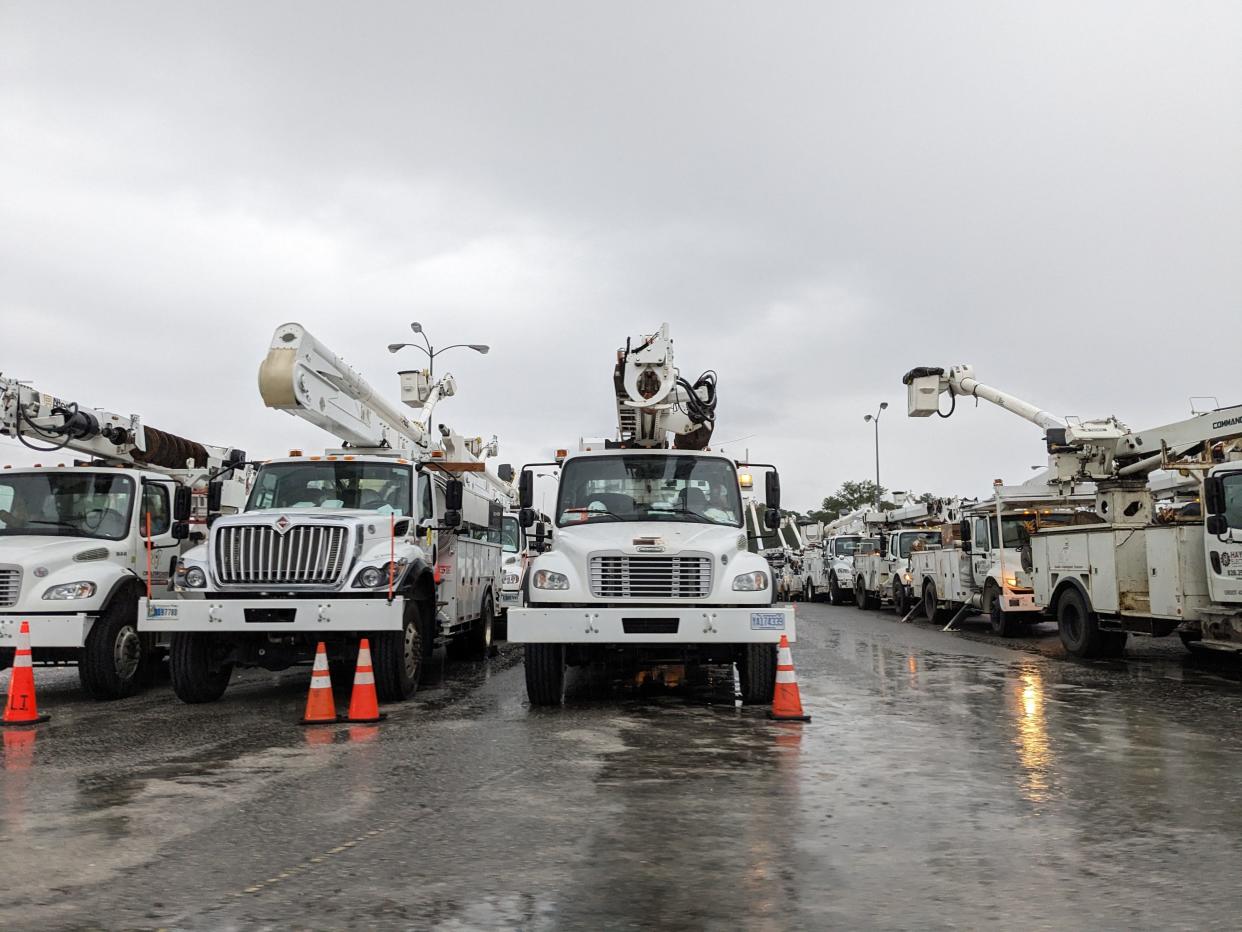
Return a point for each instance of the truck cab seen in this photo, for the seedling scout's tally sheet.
(79, 547)
(649, 564)
(333, 548)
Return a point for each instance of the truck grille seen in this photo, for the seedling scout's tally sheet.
(10, 587)
(651, 577)
(305, 555)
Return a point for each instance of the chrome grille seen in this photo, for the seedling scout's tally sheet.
(651, 577)
(10, 587)
(305, 555)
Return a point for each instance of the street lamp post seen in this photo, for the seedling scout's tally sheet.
(431, 352)
(875, 419)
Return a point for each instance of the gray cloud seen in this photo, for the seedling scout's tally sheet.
(817, 197)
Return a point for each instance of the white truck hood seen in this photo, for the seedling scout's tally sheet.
(21, 549)
(649, 537)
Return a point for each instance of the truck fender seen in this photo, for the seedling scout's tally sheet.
(1062, 587)
(126, 580)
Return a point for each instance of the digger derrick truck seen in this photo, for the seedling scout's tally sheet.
(1134, 571)
(882, 566)
(394, 536)
(649, 562)
(80, 544)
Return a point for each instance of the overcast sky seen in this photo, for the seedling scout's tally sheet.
(816, 197)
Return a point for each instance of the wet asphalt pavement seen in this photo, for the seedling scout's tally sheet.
(947, 780)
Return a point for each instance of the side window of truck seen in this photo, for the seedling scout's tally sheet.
(155, 504)
(980, 535)
(426, 511)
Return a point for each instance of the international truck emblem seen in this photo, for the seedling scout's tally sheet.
(282, 524)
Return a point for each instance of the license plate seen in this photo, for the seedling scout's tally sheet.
(767, 621)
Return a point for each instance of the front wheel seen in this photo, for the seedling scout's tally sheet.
(545, 674)
(198, 667)
(1005, 624)
(931, 611)
(836, 595)
(757, 671)
(810, 592)
(483, 632)
(113, 659)
(901, 599)
(860, 596)
(398, 656)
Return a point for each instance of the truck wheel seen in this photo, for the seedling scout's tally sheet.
(1005, 624)
(398, 657)
(901, 599)
(931, 610)
(6, 656)
(1077, 625)
(810, 592)
(757, 671)
(860, 596)
(197, 666)
(483, 632)
(112, 659)
(545, 673)
(835, 594)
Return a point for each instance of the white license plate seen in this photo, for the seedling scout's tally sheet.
(767, 621)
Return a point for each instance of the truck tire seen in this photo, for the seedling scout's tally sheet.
(931, 610)
(6, 657)
(810, 592)
(836, 595)
(757, 671)
(1004, 624)
(483, 631)
(901, 599)
(545, 674)
(112, 660)
(195, 664)
(860, 596)
(398, 656)
(1078, 627)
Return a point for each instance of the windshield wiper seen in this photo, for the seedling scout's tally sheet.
(696, 514)
(64, 524)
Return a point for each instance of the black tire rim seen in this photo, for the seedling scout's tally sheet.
(126, 653)
(411, 651)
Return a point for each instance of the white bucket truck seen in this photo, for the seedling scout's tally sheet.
(395, 536)
(81, 544)
(882, 566)
(649, 560)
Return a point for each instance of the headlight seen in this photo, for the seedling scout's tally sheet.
(905, 577)
(73, 590)
(751, 582)
(546, 579)
(194, 578)
(373, 577)
(1011, 581)
(511, 579)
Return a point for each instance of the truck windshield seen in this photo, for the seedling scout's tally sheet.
(845, 546)
(332, 484)
(1233, 499)
(77, 504)
(510, 534)
(649, 487)
(910, 540)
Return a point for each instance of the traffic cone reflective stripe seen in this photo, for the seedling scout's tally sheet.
(320, 706)
(363, 701)
(786, 700)
(20, 707)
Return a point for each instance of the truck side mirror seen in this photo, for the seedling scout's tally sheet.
(181, 504)
(452, 518)
(180, 530)
(526, 517)
(772, 491)
(771, 515)
(1213, 495)
(1216, 525)
(526, 491)
(452, 499)
(965, 535)
(215, 493)
(505, 472)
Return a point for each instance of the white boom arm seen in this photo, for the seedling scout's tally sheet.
(653, 400)
(47, 424)
(1097, 449)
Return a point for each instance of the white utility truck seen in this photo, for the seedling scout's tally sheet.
(395, 536)
(81, 544)
(1135, 572)
(987, 567)
(882, 568)
(649, 561)
(842, 538)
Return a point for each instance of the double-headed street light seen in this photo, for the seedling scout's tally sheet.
(433, 353)
(875, 418)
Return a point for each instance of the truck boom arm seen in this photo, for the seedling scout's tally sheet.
(47, 424)
(653, 400)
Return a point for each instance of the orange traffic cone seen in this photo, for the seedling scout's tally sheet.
(786, 701)
(363, 702)
(20, 708)
(320, 706)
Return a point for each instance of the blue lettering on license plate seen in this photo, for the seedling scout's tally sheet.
(767, 621)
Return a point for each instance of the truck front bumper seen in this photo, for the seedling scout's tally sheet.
(1019, 602)
(672, 625)
(47, 630)
(271, 616)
